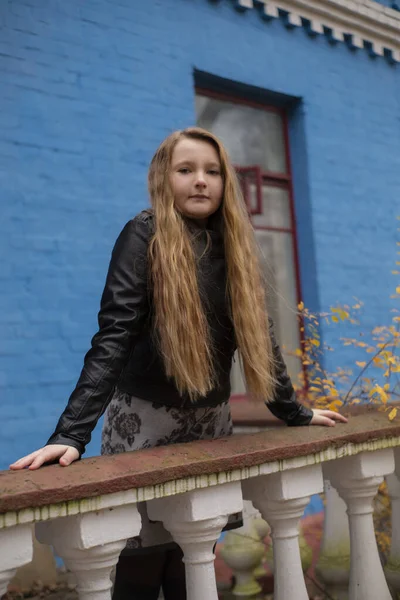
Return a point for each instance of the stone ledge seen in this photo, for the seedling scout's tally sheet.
(109, 501)
(249, 414)
(100, 476)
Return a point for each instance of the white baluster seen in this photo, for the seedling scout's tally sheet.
(195, 520)
(16, 549)
(357, 479)
(333, 566)
(392, 569)
(90, 545)
(281, 498)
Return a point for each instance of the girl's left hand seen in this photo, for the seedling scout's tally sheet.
(329, 418)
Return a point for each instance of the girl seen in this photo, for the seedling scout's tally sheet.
(184, 290)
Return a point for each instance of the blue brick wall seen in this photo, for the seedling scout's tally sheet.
(389, 3)
(88, 90)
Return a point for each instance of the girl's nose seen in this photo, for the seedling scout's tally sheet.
(200, 179)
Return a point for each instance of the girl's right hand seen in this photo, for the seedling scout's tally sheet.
(50, 453)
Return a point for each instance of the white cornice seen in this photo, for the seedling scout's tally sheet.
(369, 24)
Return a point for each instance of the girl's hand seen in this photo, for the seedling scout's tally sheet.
(65, 454)
(329, 418)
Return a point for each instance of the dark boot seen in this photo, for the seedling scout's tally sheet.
(139, 577)
(173, 580)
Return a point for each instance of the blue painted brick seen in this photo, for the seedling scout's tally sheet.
(87, 92)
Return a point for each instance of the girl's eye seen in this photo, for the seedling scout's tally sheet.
(214, 172)
(184, 170)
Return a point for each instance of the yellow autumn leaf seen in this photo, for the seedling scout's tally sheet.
(360, 363)
(398, 289)
(335, 404)
(335, 319)
(333, 392)
(392, 414)
(300, 306)
(316, 343)
(381, 393)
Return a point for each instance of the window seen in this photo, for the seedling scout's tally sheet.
(256, 139)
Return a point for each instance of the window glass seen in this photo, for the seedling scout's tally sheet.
(275, 207)
(252, 136)
(277, 249)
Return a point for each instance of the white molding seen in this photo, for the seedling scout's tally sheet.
(188, 484)
(364, 20)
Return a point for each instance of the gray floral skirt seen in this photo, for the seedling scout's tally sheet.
(134, 424)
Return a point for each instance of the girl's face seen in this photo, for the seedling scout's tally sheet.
(196, 179)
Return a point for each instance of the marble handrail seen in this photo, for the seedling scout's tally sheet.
(88, 510)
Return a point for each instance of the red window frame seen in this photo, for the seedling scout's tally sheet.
(283, 180)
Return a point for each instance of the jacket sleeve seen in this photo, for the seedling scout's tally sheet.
(285, 405)
(123, 311)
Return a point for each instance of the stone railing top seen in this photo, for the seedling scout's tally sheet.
(247, 414)
(243, 454)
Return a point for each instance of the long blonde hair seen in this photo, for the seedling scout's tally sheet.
(180, 322)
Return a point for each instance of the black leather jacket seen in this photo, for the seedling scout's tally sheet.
(123, 352)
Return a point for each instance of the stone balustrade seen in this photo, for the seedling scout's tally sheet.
(88, 510)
